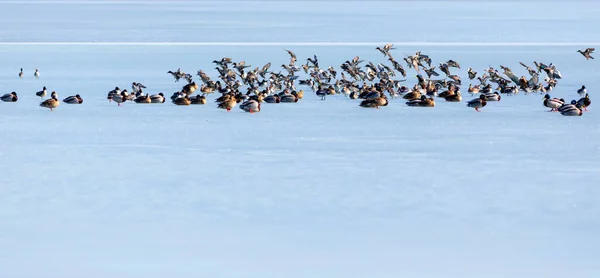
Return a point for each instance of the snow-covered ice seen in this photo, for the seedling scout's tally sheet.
(311, 189)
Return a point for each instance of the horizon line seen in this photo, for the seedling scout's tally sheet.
(344, 43)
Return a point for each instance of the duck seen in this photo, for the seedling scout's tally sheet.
(553, 103)
(567, 106)
(495, 96)
(157, 98)
(582, 91)
(477, 103)
(116, 91)
(571, 110)
(473, 90)
(421, 102)
(143, 99)
(119, 98)
(322, 93)
(12, 97)
(299, 94)
(227, 104)
(185, 100)
(414, 94)
(199, 99)
(206, 89)
(42, 93)
(251, 106)
(272, 99)
(456, 97)
(189, 88)
(137, 87)
(289, 98)
(51, 103)
(21, 74)
(374, 102)
(584, 102)
(586, 53)
(76, 99)
(36, 74)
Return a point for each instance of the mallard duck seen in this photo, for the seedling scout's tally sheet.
(299, 94)
(250, 106)
(51, 102)
(421, 102)
(42, 93)
(414, 94)
(272, 99)
(199, 99)
(289, 98)
(374, 102)
(185, 100)
(477, 103)
(143, 99)
(227, 104)
(472, 73)
(571, 110)
(189, 88)
(493, 96)
(206, 89)
(157, 98)
(456, 97)
(586, 53)
(582, 91)
(12, 97)
(322, 93)
(116, 91)
(119, 98)
(553, 103)
(584, 102)
(473, 90)
(137, 87)
(36, 74)
(76, 99)
(21, 74)
(567, 106)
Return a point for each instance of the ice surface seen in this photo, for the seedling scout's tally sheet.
(312, 189)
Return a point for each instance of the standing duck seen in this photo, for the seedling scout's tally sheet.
(553, 103)
(477, 103)
(227, 104)
(250, 106)
(322, 93)
(119, 98)
(76, 99)
(21, 74)
(51, 103)
(584, 102)
(42, 93)
(12, 97)
(36, 74)
(112, 93)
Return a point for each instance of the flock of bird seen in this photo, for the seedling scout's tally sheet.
(372, 83)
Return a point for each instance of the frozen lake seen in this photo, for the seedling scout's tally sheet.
(311, 189)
